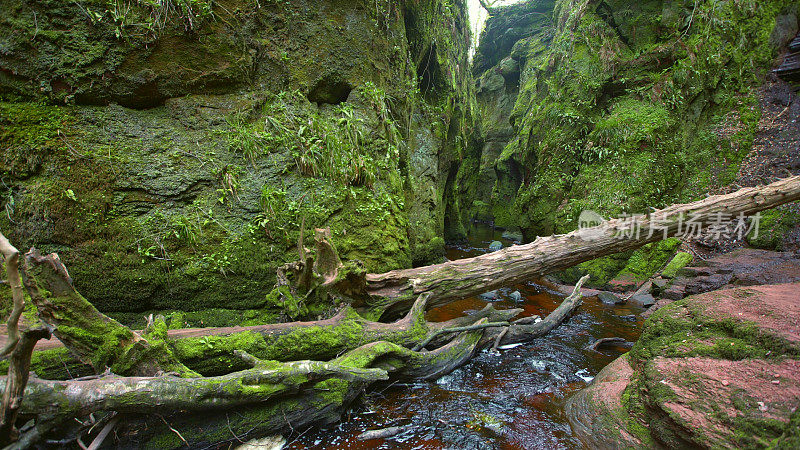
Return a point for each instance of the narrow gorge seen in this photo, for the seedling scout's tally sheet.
(274, 223)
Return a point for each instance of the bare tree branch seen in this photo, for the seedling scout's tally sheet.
(11, 255)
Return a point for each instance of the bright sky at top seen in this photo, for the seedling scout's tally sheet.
(477, 18)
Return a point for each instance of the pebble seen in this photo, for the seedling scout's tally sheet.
(762, 407)
(725, 382)
(776, 381)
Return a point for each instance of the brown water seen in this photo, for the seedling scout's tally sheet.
(514, 400)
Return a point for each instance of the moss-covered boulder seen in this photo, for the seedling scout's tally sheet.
(717, 370)
(773, 228)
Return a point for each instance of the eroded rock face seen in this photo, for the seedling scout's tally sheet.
(489, 177)
(171, 157)
(719, 370)
(592, 72)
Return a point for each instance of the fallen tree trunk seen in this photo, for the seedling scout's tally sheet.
(302, 392)
(393, 292)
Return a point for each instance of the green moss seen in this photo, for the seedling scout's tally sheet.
(790, 438)
(614, 115)
(648, 260)
(638, 265)
(281, 297)
(634, 412)
(208, 354)
(773, 226)
(681, 260)
(602, 270)
(55, 364)
(28, 132)
(159, 207)
(333, 392)
(682, 329)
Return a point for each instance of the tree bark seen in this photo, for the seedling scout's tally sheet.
(393, 292)
(17, 380)
(91, 335)
(11, 255)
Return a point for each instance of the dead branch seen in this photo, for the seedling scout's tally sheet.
(16, 381)
(11, 255)
(91, 335)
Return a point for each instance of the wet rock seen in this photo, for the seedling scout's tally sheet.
(516, 296)
(509, 68)
(603, 399)
(658, 305)
(380, 434)
(492, 81)
(660, 283)
(785, 29)
(609, 298)
(610, 341)
(675, 292)
(491, 296)
(623, 283)
(512, 235)
(267, 443)
(495, 246)
(508, 26)
(707, 283)
(157, 152)
(643, 299)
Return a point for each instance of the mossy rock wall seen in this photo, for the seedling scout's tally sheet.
(625, 106)
(615, 107)
(490, 175)
(172, 156)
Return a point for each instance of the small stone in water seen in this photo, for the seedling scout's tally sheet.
(490, 296)
(508, 347)
(516, 296)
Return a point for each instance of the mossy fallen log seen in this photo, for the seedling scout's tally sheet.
(92, 336)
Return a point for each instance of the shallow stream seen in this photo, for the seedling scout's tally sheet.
(514, 400)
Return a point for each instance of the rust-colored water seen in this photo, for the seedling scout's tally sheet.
(514, 400)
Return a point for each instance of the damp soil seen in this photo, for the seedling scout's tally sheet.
(514, 399)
